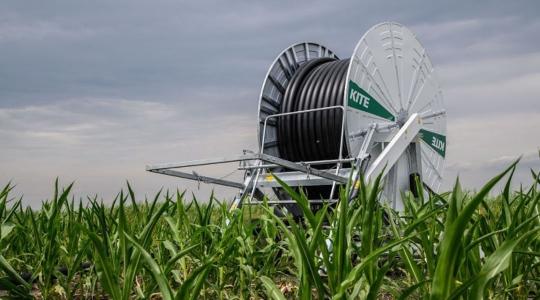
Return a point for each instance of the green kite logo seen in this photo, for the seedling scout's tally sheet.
(436, 141)
(361, 100)
(438, 144)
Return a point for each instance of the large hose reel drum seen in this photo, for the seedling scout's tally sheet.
(388, 78)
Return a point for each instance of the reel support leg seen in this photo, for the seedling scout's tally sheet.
(395, 148)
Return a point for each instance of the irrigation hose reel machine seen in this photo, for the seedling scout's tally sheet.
(322, 120)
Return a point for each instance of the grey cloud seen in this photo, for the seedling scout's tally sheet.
(473, 175)
(103, 142)
(130, 49)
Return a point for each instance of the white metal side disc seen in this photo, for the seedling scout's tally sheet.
(391, 77)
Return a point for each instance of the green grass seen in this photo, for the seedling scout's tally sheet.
(456, 245)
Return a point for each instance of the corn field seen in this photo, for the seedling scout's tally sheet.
(454, 245)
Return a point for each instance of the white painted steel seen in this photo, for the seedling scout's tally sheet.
(391, 65)
(395, 149)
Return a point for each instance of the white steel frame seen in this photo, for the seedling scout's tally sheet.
(302, 174)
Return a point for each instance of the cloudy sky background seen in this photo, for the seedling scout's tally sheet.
(91, 91)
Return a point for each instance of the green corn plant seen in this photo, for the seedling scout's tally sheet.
(117, 263)
(455, 245)
(451, 246)
(350, 268)
(50, 223)
(12, 281)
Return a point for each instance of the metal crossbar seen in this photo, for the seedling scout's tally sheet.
(166, 169)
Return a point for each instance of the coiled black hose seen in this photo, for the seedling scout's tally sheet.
(315, 135)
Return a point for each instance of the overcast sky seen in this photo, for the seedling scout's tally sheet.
(92, 91)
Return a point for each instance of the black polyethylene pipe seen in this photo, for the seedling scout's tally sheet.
(315, 135)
